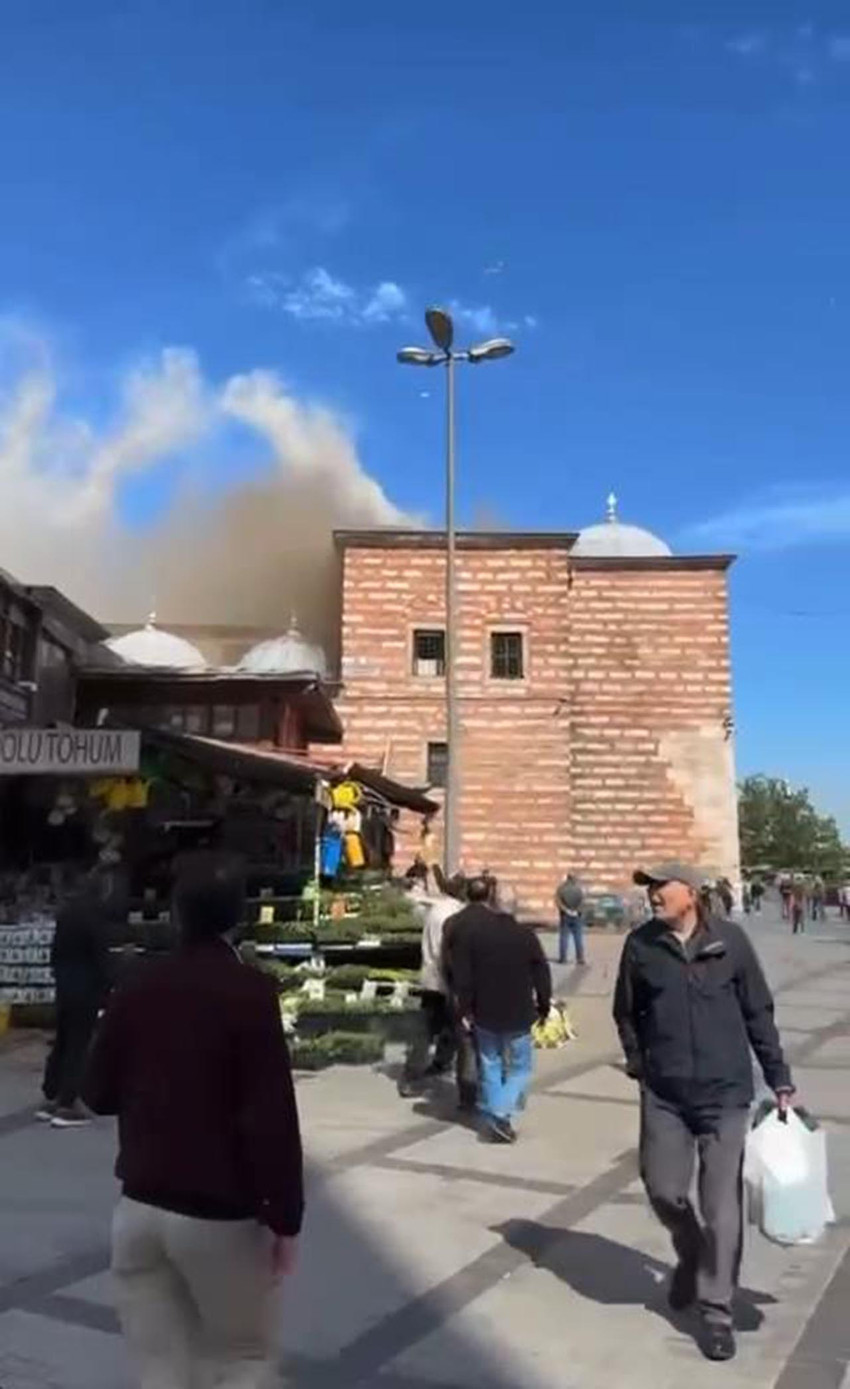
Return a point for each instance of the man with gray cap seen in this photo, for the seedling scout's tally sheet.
(691, 1000)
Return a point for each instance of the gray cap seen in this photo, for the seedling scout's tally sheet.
(671, 872)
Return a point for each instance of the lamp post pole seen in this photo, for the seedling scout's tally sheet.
(453, 733)
(441, 329)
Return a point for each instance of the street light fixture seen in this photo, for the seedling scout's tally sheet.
(419, 357)
(441, 329)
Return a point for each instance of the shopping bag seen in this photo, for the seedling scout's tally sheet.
(785, 1170)
(555, 1030)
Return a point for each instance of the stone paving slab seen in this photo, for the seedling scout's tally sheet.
(426, 1260)
(561, 1140)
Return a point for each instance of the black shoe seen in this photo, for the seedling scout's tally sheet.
(502, 1131)
(409, 1089)
(683, 1288)
(717, 1342)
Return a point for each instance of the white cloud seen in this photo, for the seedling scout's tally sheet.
(748, 45)
(839, 48)
(782, 520)
(317, 296)
(388, 302)
(485, 322)
(481, 320)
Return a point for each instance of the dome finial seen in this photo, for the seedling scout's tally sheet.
(151, 622)
(611, 511)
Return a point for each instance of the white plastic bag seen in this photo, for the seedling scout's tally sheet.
(786, 1175)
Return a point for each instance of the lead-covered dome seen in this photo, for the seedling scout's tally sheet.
(612, 539)
(289, 654)
(150, 646)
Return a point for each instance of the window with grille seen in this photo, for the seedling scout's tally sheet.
(507, 656)
(429, 652)
(196, 719)
(248, 723)
(223, 721)
(438, 764)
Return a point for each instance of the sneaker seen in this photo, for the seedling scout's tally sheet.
(410, 1089)
(683, 1288)
(717, 1342)
(73, 1118)
(502, 1131)
(47, 1112)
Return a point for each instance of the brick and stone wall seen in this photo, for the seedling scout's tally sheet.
(613, 749)
(652, 764)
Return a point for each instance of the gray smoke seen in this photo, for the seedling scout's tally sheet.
(252, 555)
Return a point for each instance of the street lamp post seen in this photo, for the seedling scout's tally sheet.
(441, 328)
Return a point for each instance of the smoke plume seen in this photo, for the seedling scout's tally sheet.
(254, 553)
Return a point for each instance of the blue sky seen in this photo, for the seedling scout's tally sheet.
(657, 209)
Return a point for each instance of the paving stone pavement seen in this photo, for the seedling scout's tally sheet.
(433, 1261)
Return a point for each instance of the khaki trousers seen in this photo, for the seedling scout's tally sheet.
(196, 1298)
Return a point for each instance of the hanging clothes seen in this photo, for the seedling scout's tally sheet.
(354, 854)
(331, 854)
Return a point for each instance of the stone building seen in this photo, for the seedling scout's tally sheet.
(595, 695)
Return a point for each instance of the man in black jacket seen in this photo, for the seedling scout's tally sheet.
(192, 1059)
(501, 982)
(79, 959)
(691, 1000)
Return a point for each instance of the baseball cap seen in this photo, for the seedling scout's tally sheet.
(671, 872)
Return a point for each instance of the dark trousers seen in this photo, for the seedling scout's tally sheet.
(76, 1018)
(435, 1029)
(672, 1140)
(798, 918)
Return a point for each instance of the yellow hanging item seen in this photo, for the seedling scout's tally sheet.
(354, 855)
(346, 795)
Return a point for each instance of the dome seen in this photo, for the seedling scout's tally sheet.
(285, 655)
(150, 646)
(614, 540)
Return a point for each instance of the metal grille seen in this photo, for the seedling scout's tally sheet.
(506, 656)
(438, 764)
(429, 653)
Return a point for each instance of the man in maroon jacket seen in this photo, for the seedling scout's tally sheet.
(192, 1059)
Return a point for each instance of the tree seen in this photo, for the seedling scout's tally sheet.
(780, 828)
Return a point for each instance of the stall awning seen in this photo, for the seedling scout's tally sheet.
(284, 769)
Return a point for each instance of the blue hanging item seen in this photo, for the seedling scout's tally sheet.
(331, 852)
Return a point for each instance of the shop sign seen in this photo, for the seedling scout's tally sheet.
(25, 972)
(68, 751)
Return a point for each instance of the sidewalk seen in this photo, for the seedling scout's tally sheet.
(434, 1261)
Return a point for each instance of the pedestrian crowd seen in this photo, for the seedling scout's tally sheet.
(190, 1057)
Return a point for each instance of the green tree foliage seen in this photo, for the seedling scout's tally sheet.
(781, 829)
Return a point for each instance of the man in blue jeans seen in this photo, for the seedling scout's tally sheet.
(501, 983)
(570, 903)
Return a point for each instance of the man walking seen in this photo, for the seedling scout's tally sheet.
(192, 1058)
(691, 999)
(798, 907)
(438, 1026)
(502, 982)
(570, 903)
(79, 959)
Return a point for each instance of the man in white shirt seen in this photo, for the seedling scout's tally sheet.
(438, 1023)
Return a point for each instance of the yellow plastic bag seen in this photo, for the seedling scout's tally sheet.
(555, 1031)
